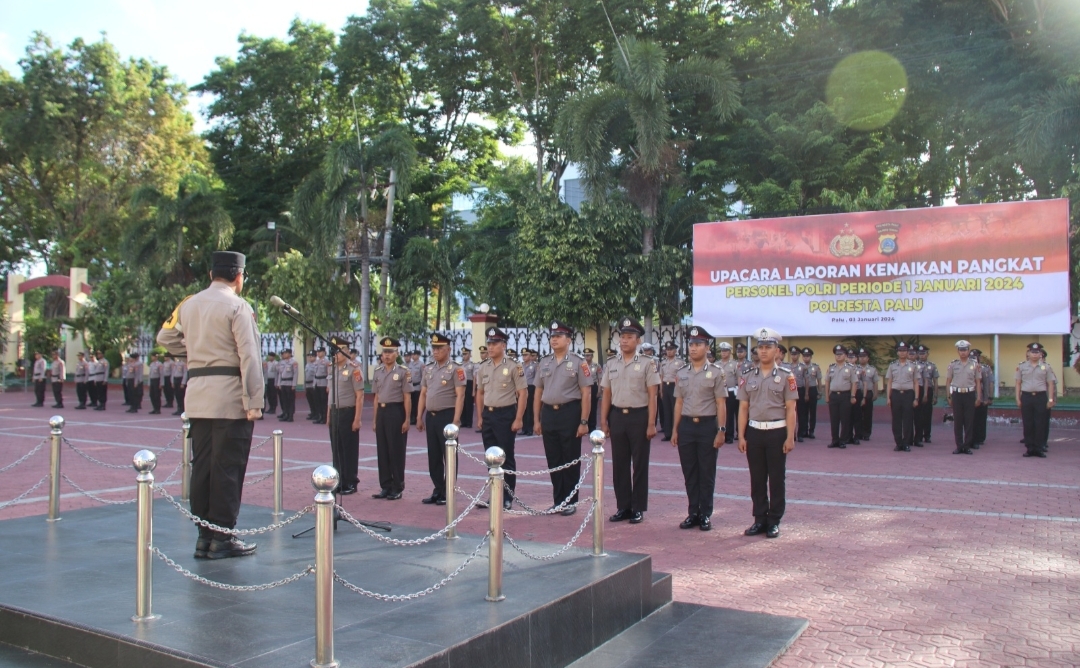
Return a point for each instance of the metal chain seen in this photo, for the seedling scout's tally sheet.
(408, 597)
(248, 483)
(228, 587)
(418, 541)
(93, 496)
(561, 467)
(25, 494)
(175, 470)
(232, 532)
(261, 443)
(168, 446)
(95, 461)
(554, 509)
(564, 548)
(28, 455)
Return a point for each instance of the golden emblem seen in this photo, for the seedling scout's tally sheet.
(506, 372)
(396, 377)
(708, 374)
(846, 244)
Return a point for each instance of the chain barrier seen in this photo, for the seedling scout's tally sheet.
(417, 541)
(28, 455)
(22, 496)
(93, 496)
(262, 443)
(393, 598)
(561, 506)
(228, 587)
(175, 470)
(248, 483)
(564, 548)
(561, 467)
(232, 532)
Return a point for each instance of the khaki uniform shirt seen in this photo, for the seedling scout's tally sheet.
(216, 328)
(931, 375)
(127, 371)
(963, 374)
(630, 381)
(309, 375)
(870, 378)
(596, 370)
(103, 370)
(730, 369)
(391, 386)
(57, 371)
(668, 368)
(530, 373)
(699, 389)
(322, 371)
(470, 370)
(1035, 377)
(745, 367)
(39, 369)
(82, 371)
(812, 374)
(155, 371)
(987, 382)
(842, 376)
(179, 370)
(270, 371)
(561, 381)
(137, 373)
(501, 382)
(440, 382)
(348, 380)
(904, 376)
(768, 394)
(166, 369)
(286, 372)
(417, 370)
(799, 369)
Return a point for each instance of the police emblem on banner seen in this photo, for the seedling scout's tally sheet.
(887, 238)
(846, 244)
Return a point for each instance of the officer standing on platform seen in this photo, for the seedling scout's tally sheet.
(840, 387)
(902, 396)
(812, 383)
(392, 386)
(924, 417)
(530, 365)
(135, 383)
(470, 388)
(57, 374)
(179, 373)
(40, 373)
(865, 427)
(442, 398)
(346, 389)
(699, 429)
(964, 381)
(270, 373)
(668, 366)
(154, 375)
(287, 369)
(500, 397)
(309, 384)
(563, 387)
(166, 380)
(416, 370)
(730, 369)
(982, 411)
(216, 330)
(766, 409)
(322, 375)
(594, 389)
(628, 418)
(1036, 391)
(82, 372)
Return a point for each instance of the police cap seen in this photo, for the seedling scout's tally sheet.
(228, 260)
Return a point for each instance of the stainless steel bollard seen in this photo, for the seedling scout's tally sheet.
(185, 456)
(324, 479)
(279, 445)
(597, 438)
(494, 458)
(57, 424)
(450, 433)
(144, 462)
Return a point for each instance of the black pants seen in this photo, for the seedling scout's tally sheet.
(840, 414)
(811, 409)
(219, 459)
(903, 417)
(767, 461)
(155, 393)
(698, 459)
(801, 413)
(126, 384)
(1035, 414)
(667, 409)
(271, 396)
(982, 413)
(732, 404)
(39, 392)
(434, 423)
(497, 432)
(963, 404)
(58, 393)
(594, 406)
(527, 418)
(856, 417)
(415, 402)
(179, 392)
(562, 445)
(167, 387)
(630, 447)
(81, 393)
(321, 399)
(924, 416)
(390, 446)
(91, 392)
(866, 417)
(288, 399)
(469, 406)
(135, 393)
(102, 392)
(345, 444)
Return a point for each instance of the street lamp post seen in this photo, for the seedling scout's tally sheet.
(277, 235)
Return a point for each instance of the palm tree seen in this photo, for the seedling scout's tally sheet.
(624, 129)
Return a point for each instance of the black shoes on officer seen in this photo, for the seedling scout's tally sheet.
(690, 522)
(773, 531)
(622, 515)
(347, 489)
(230, 546)
(838, 445)
(962, 451)
(569, 510)
(201, 547)
(383, 493)
(1038, 453)
(757, 528)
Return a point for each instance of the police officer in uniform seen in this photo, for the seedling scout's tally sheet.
(841, 384)
(322, 375)
(501, 394)
(469, 407)
(416, 370)
(870, 376)
(729, 367)
(797, 367)
(529, 365)
(166, 380)
(287, 368)
(81, 374)
(135, 383)
(924, 417)
(309, 384)
(812, 383)
(982, 411)
(155, 384)
(628, 418)
(668, 366)
(563, 388)
(40, 372)
(179, 374)
(964, 380)
(91, 379)
(700, 417)
(766, 409)
(1036, 391)
(346, 390)
(57, 374)
(392, 385)
(216, 330)
(852, 436)
(902, 396)
(442, 398)
(594, 389)
(476, 383)
(102, 382)
(270, 374)
(126, 369)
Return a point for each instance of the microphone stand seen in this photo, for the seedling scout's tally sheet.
(335, 446)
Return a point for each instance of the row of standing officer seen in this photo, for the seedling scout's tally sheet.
(91, 375)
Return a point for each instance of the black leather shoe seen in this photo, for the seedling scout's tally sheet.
(569, 510)
(665, 440)
(855, 442)
(705, 524)
(483, 504)
(842, 446)
(80, 408)
(926, 441)
(1040, 454)
(975, 445)
(233, 547)
(174, 412)
(1029, 454)
(836, 445)
(132, 410)
(393, 497)
(968, 452)
(508, 503)
(201, 547)
(383, 493)
(958, 451)
(347, 490)
(773, 531)
(441, 501)
(811, 435)
(154, 413)
(755, 529)
(637, 517)
(898, 448)
(798, 439)
(621, 515)
(918, 445)
(430, 499)
(907, 448)
(690, 522)
(728, 441)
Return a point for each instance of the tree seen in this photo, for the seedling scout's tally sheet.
(314, 286)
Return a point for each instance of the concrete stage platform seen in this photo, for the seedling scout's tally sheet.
(67, 591)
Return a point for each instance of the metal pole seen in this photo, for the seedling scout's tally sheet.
(57, 424)
(597, 438)
(450, 433)
(494, 458)
(144, 462)
(278, 448)
(185, 457)
(324, 479)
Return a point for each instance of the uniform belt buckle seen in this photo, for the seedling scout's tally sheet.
(490, 408)
(626, 411)
(555, 406)
(432, 412)
(696, 419)
(382, 405)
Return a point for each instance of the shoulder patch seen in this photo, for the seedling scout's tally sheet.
(585, 369)
(175, 317)
(357, 375)
(461, 374)
(791, 383)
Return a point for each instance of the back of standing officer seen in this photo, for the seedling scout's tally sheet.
(813, 382)
(155, 384)
(964, 381)
(924, 417)
(40, 373)
(870, 392)
(82, 372)
(902, 390)
(57, 373)
(287, 370)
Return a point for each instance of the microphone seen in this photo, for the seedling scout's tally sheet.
(277, 302)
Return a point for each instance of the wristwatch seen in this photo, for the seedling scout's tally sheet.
(723, 428)
(584, 423)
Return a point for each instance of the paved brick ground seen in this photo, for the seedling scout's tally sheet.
(898, 559)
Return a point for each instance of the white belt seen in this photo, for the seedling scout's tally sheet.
(961, 390)
(775, 424)
(733, 390)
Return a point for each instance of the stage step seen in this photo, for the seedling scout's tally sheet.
(17, 657)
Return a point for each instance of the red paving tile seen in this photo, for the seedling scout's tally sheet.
(921, 558)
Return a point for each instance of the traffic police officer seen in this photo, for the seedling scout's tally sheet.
(699, 427)
(1036, 390)
(216, 330)
(40, 372)
(82, 372)
(271, 375)
(964, 380)
(500, 397)
(668, 366)
(840, 388)
(287, 369)
(730, 369)
(155, 385)
(563, 387)
(982, 411)
(902, 396)
(346, 401)
(442, 398)
(766, 409)
(392, 386)
(870, 391)
(135, 383)
(924, 416)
